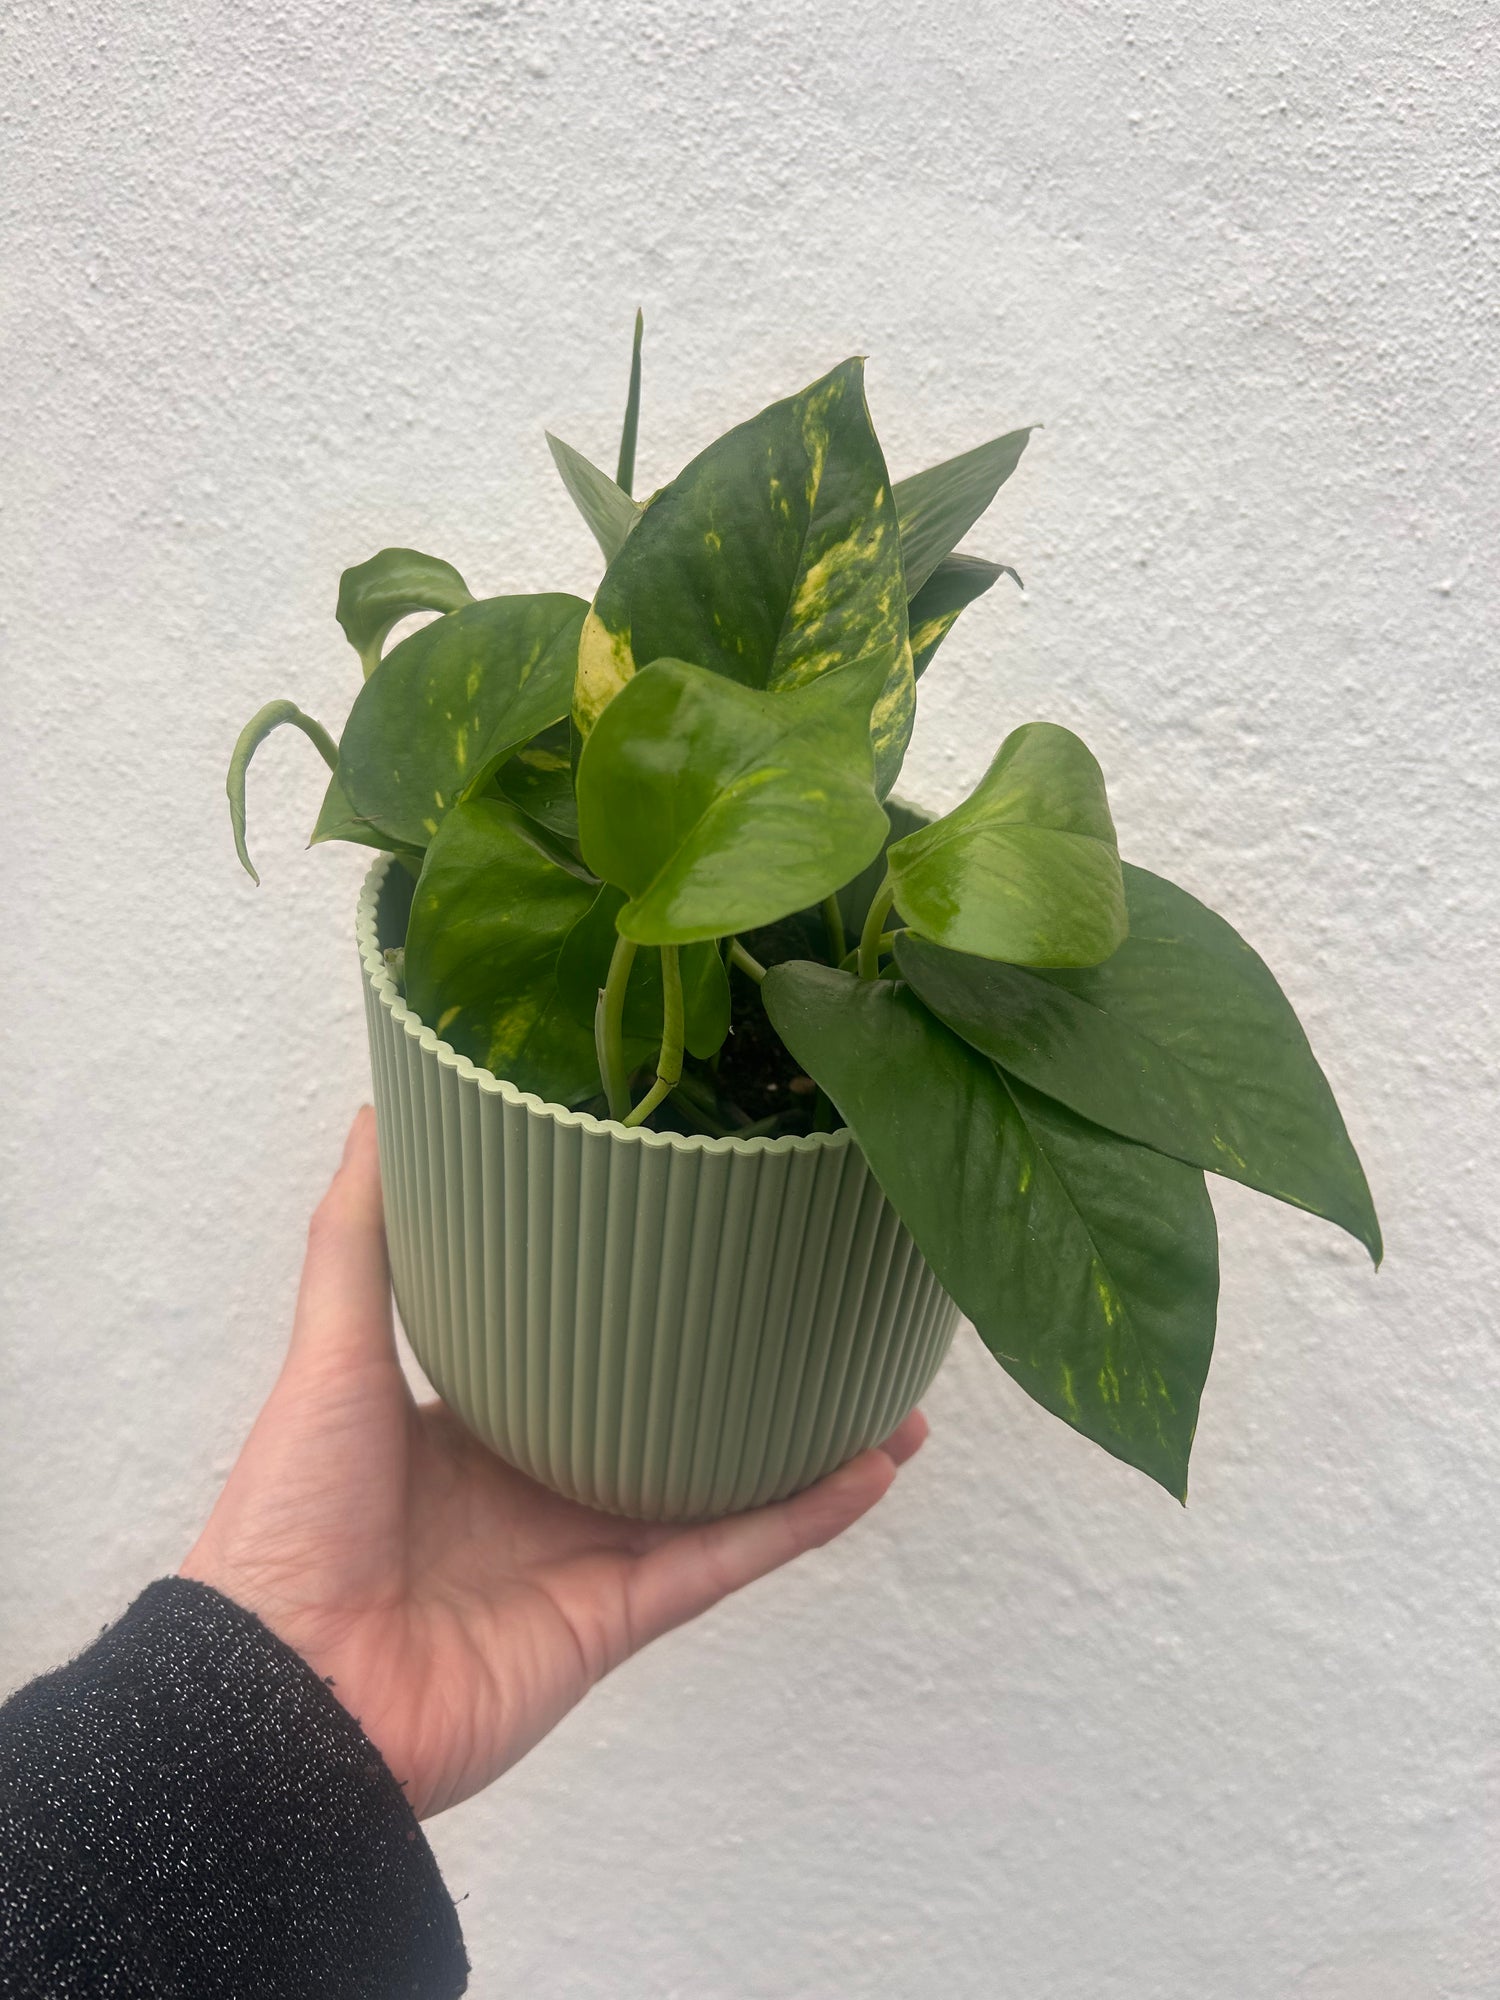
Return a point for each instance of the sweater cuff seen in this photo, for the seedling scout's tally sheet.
(187, 1809)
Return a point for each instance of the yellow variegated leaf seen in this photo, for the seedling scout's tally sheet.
(772, 559)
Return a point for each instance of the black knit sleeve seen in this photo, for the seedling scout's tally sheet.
(186, 1809)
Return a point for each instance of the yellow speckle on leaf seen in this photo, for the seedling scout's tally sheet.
(605, 663)
(447, 1017)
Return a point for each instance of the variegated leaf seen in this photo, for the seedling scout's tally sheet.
(491, 911)
(1027, 869)
(717, 808)
(448, 705)
(773, 558)
(951, 588)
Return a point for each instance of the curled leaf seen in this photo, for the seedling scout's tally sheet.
(254, 733)
(375, 595)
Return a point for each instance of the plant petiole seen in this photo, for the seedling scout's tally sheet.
(751, 967)
(833, 918)
(870, 938)
(669, 1061)
(609, 1032)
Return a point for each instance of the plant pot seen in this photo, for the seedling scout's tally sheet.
(665, 1327)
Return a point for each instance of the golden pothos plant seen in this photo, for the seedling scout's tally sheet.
(658, 874)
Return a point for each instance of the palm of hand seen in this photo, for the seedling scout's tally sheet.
(458, 1609)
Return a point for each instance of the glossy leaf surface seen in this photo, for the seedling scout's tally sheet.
(1182, 1040)
(1088, 1264)
(717, 807)
(491, 910)
(375, 595)
(1026, 869)
(584, 966)
(951, 588)
(856, 896)
(938, 507)
(447, 705)
(609, 511)
(274, 715)
(772, 559)
(539, 779)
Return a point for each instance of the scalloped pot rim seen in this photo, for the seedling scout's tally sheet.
(417, 1030)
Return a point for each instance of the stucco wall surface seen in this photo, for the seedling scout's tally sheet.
(282, 284)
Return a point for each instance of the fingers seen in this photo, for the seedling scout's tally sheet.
(344, 1305)
(697, 1567)
(907, 1439)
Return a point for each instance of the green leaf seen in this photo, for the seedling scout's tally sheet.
(625, 470)
(375, 595)
(583, 968)
(254, 733)
(609, 511)
(337, 820)
(717, 808)
(1027, 868)
(491, 910)
(1182, 1040)
(772, 559)
(450, 703)
(539, 779)
(951, 588)
(856, 896)
(938, 507)
(1088, 1265)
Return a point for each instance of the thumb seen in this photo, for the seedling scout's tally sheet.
(344, 1304)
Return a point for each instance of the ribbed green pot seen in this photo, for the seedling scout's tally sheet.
(666, 1327)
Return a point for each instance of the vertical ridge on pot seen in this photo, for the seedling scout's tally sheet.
(661, 1326)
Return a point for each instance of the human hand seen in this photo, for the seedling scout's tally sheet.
(458, 1609)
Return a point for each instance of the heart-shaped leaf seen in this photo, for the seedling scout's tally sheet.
(717, 808)
(583, 968)
(492, 907)
(1088, 1265)
(1182, 1040)
(609, 511)
(951, 588)
(938, 507)
(450, 703)
(254, 733)
(1027, 868)
(772, 559)
(375, 595)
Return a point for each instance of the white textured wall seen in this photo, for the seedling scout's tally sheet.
(282, 283)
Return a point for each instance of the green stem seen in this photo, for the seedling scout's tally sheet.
(869, 937)
(695, 1114)
(609, 1030)
(669, 1061)
(833, 917)
(751, 967)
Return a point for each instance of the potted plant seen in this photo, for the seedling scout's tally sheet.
(711, 1083)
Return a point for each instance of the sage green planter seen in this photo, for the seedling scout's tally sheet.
(665, 1327)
